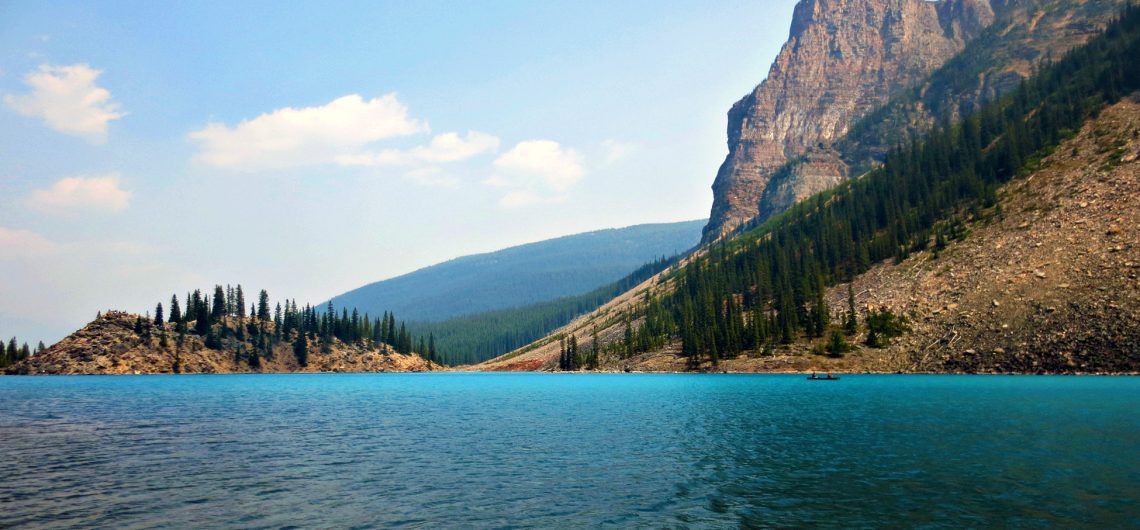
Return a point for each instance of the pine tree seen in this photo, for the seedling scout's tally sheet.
(218, 311)
(837, 345)
(851, 323)
(263, 305)
(240, 302)
(576, 360)
(201, 318)
(404, 340)
(158, 315)
(175, 311)
(882, 326)
(384, 329)
(255, 359)
(820, 315)
(301, 350)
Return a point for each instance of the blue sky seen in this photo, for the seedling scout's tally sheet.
(148, 148)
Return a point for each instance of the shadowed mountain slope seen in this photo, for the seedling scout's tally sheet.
(522, 275)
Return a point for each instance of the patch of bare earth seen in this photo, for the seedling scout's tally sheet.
(1049, 284)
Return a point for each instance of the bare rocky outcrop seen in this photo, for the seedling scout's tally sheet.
(857, 78)
(842, 59)
(111, 345)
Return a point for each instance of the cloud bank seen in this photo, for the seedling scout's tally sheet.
(536, 172)
(296, 137)
(447, 147)
(17, 244)
(68, 101)
(100, 193)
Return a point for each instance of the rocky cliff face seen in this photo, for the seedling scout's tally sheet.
(842, 59)
(1024, 34)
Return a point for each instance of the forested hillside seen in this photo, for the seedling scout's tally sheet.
(767, 287)
(476, 338)
(523, 275)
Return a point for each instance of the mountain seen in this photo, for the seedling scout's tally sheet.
(475, 338)
(1026, 34)
(856, 78)
(842, 59)
(1000, 241)
(215, 334)
(522, 275)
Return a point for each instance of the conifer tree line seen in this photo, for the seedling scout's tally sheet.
(224, 315)
(572, 358)
(14, 351)
(767, 285)
(476, 338)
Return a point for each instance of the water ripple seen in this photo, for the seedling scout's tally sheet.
(530, 450)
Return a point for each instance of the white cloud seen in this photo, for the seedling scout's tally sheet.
(450, 147)
(447, 147)
(523, 198)
(432, 176)
(16, 244)
(295, 137)
(387, 157)
(536, 172)
(495, 181)
(67, 99)
(614, 150)
(100, 193)
(546, 160)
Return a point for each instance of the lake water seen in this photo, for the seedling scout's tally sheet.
(544, 450)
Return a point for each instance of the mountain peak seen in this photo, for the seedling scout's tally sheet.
(842, 59)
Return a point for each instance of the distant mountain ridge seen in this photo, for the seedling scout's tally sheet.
(524, 274)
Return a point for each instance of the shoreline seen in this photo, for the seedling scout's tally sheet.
(608, 372)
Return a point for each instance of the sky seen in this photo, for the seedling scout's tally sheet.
(307, 148)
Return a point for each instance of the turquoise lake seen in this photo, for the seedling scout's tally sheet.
(547, 450)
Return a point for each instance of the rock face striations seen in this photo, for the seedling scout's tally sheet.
(842, 59)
